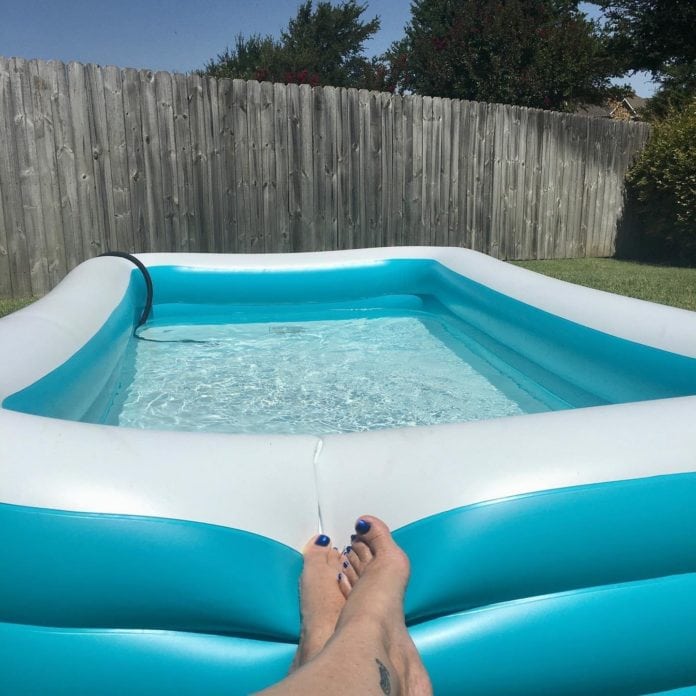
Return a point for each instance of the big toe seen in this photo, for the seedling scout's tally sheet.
(375, 534)
(319, 549)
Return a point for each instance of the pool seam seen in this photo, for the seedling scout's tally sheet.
(315, 467)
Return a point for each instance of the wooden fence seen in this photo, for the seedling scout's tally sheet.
(95, 159)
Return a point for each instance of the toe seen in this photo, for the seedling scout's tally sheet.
(358, 553)
(349, 571)
(375, 535)
(372, 532)
(318, 546)
(344, 584)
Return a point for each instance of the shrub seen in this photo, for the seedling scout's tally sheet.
(661, 188)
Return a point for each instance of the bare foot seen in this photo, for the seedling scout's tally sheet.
(373, 578)
(321, 600)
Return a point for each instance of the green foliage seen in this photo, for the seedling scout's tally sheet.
(247, 59)
(321, 45)
(538, 53)
(650, 35)
(662, 190)
(656, 36)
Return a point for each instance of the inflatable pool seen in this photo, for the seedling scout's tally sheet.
(552, 544)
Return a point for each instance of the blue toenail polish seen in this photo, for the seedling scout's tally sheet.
(347, 550)
(339, 576)
(345, 564)
(322, 540)
(362, 527)
(353, 537)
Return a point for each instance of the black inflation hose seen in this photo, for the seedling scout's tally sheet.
(146, 275)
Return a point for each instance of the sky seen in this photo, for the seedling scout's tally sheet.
(173, 35)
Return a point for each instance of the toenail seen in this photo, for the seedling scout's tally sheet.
(353, 537)
(339, 576)
(322, 540)
(347, 550)
(362, 527)
(345, 564)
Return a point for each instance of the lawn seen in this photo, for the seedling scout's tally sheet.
(9, 305)
(663, 284)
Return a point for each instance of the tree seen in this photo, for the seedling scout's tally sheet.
(656, 36)
(538, 53)
(661, 192)
(321, 45)
(329, 42)
(250, 58)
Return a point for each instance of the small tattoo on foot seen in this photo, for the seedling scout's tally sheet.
(384, 682)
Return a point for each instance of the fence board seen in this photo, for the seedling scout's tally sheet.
(118, 153)
(43, 89)
(282, 170)
(29, 178)
(101, 161)
(184, 164)
(153, 173)
(216, 195)
(199, 109)
(227, 168)
(168, 159)
(97, 158)
(269, 185)
(136, 159)
(255, 181)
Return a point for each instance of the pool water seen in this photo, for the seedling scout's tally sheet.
(315, 351)
(315, 377)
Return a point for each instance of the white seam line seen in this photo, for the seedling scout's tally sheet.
(315, 464)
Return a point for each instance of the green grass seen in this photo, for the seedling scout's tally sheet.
(8, 305)
(663, 284)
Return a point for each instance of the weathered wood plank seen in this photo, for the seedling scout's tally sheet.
(294, 167)
(168, 157)
(227, 167)
(308, 235)
(101, 160)
(355, 178)
(320, 170)
(386, 108)
(281, 172)
(14, 264)
(153, 174)
(43, 90)
(428, 211)
(29, 175)
(201, 219)
(440, 183)
(188, 221)
(366, 193)
(269, 184)
(217, 184)
(136, 159)
(330, 158)
(451, 174)
(240, 156)
(397, 186)
(469, 173)
(486, 155)
(118, 158)
(343, 172)
(517, 202)
(256, 219)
